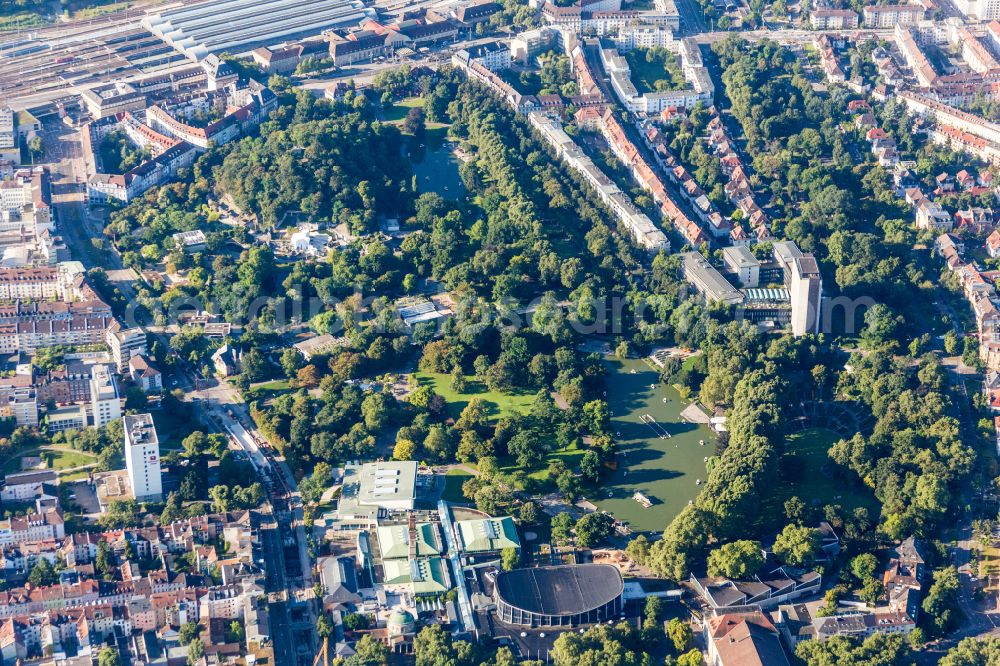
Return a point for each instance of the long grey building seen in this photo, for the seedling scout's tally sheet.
(708, 281)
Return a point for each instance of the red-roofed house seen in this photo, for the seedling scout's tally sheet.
(876, 133)
(738, 236)
(993, 244)
(743, 639)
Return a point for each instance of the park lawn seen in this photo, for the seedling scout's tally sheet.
(645, 74)
(989, 562)
(78, 475)
(499, 404)
(66, 459)
(537, 480)
(570, 455)
(58, 459)
(689, 362)
(12, 464)
(268, 390)
(453, 481)
(816, 486)
(276, 385)
(397, 112)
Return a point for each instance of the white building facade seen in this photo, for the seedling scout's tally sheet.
(142, 457)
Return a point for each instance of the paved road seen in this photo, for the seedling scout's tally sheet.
(692, 18)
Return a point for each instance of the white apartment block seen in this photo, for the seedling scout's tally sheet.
(742, 262)
(20, 404)
(494, 56)
(33, 527)
(946, 115)
(30, 336)
(694, 69)
(975, 53)
(833, 19)
(645, 37)
(125, 343)
(9, 149)
(105, 400)
(983, 10)
(889, 16)
(617, 69)
(15, 194)
(70, 417)
(227, 602)
(142, 457)
(29, 284)
(23, 486)
(609, 23)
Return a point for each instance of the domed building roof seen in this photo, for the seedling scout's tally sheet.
(400, 622)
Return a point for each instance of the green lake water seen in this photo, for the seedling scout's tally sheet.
(436, 169)
(664, 469)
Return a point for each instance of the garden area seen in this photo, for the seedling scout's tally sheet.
(806, 471)
(405, 114)
(268, 390)
(453, 480)
(498, 403)
(118, 155)
(396, 112)
(655, 70)
(52, 458)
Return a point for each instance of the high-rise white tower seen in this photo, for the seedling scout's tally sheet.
(142, 457)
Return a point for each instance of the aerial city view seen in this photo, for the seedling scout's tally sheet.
(495, 332)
